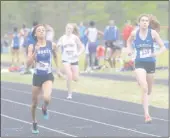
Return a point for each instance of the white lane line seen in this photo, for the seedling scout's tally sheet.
(89, 105)
(86, 119)
(50, 129)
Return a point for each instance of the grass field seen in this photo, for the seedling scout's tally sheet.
(126, 91)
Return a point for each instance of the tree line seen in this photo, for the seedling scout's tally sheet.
(59, 13)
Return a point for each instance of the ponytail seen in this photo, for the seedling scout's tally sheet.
(154, 23)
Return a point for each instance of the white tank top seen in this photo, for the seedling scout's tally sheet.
(69, 48)
(92, 34)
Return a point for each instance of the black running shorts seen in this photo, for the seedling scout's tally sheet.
(148, 66)
(111, 45)
(73, 63)
(38, 80)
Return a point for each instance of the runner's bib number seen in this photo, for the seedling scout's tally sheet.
(70, 54)
(42, 66)
(144, 53)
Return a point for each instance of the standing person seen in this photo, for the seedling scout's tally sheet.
(49, 33)
(29, 40)
(145, 60)
(15, 46)
(82, 30)
(92, 34)
(83, 38)
(41, 53)
(5, 44)
(111, 36)
(24, 33)
(72, 48)
(128, 28)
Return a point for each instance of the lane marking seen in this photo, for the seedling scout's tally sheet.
(81, 118)
(50, 129)
(88, 105)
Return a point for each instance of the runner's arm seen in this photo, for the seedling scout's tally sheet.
(100, 33)
(86, 32)
(55, 56)
(129, 42)
(80, 46)
(31, 55)
(59, 42)
(159, 41)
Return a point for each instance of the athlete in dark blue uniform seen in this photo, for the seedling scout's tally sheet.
(144, 48)
(15, 46)
(143, 39)
(41, 53)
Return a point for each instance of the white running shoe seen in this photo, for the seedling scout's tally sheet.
(69, 96)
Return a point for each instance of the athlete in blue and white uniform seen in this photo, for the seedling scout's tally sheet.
(15, 46)
(145, 59)
(41, 53)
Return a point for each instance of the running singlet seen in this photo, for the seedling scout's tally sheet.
(69, 48)
(44, 60)
(144, 48)
(16, 41)
(92, 40)
(92, 34)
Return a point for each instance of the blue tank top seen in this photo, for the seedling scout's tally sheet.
(16, 42)
(43, 65)
(144, 47)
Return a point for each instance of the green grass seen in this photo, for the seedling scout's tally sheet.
(125, 91)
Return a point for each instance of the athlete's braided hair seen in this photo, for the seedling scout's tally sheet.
(153, 22)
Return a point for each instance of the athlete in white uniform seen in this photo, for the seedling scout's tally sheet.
(71, 48)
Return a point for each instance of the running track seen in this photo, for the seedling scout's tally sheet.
(82, 116)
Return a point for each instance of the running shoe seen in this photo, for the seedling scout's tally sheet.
(69, 96)
(148, 119)
(45, 113)
(35, 128)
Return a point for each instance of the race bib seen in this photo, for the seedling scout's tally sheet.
(144, 53)
(42, 66)
(70, 53)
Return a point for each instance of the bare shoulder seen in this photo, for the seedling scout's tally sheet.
(134, 32)
(30, 49)
(153, 32)
(54, 44)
